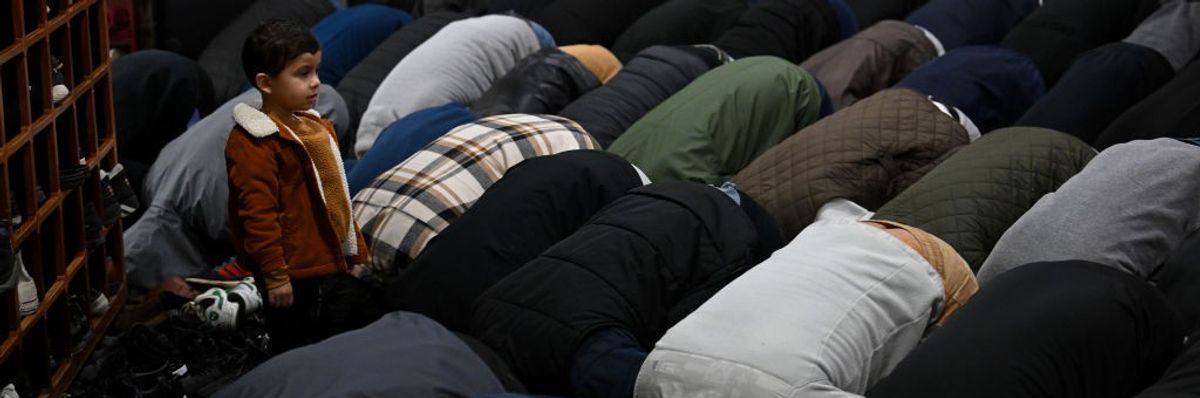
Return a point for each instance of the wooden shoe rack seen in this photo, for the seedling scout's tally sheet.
(37, 136)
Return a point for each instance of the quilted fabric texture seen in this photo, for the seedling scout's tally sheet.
(866, 153)
(979, 192)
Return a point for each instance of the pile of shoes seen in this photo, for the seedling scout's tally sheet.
(178, 357)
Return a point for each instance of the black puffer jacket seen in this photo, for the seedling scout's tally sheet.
(642, 264)
(359, 85)
(591, 21)
(222, 59)
(542, 83)
(679, 22)
(644, 82)
(537, 203)
(790, 29)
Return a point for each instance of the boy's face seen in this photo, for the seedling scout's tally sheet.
(295, 87)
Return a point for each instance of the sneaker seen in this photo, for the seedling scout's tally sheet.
(226, 276)
(123, 192)
(214, 308)
(26, 289)
(112, 207)
(9, 391)
(97, 303)
(58, 88)
(245, 294)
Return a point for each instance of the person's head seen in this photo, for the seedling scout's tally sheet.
(280, 58)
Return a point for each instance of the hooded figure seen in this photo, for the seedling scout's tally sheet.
(1098, 87)
(788, 29)
(349, 35)
(872, 60)
(871, 12)
(411, 203)
(1065, 329)
(993, 85)
(645, 81)
(537, 204)
(973, 196)
(185, 229)
(361, 82)
(829, 315)
(1130, 71)
(222, 59)
(400, 355)
(404, 138)
(637, 267)
(1129, 209)
(590, 21)
(145, 122)
(679, 22)
(1056, 33)
(542, 83)
(1172, 111)
(958, 23)
(457, 64)
(715, 126)
(867, 153)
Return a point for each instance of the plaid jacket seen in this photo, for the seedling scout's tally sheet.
(408, 205)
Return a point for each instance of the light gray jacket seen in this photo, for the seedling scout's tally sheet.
(1130, 208)
(829, 315)
(458, 64)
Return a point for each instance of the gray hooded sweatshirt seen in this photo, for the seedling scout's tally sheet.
(1130, 208)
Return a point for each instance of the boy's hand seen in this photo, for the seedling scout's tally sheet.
(280, 297)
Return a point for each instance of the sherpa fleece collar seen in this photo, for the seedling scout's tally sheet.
(257, 123)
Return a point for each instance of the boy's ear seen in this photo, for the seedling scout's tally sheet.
(263, 82)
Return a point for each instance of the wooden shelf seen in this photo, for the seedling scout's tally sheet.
(40, 136)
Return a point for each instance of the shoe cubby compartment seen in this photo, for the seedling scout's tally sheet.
(81, 63)
(35, 15)
(15, 96)
(37, 61)
(42, 141)
(8, 31)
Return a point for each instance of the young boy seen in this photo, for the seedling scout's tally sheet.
(289, 207)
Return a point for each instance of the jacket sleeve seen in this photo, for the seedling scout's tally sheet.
(253, 188)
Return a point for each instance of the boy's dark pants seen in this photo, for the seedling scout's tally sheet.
(321, 307)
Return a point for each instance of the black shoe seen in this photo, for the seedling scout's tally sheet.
(92, 227)
(78, 327)
(112, 207)
(71, 176)
(124, 193)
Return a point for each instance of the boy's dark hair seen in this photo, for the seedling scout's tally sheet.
(273, 44)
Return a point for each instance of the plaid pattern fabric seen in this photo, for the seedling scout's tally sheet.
(408, 205)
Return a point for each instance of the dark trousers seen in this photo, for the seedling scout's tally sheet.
(1063, 329)
(321, 307)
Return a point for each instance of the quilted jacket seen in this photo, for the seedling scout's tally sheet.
(872, 60)
(542, 83)
(867, 153)
(719, 123)
(644, 82)
(537, 204)
(972, 197)
(641, 264)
